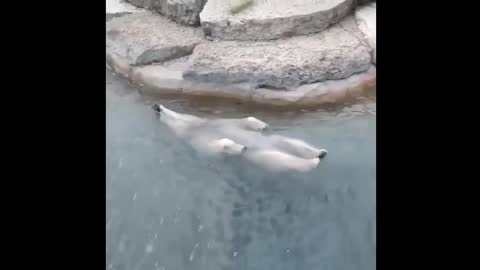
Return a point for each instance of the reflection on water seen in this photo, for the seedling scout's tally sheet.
(169, 207)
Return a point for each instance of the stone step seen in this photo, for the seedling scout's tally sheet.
(333, 54)
(181, 11)
(109, 16)
(271, 19)
(143, 38)
(167, 78)
(118, 6)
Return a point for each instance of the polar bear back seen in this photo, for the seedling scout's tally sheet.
(248, 123)
(278, 161)
(295, 147)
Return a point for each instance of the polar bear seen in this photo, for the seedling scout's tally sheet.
(180, 121)
(278, 161)
(233, 136)
(288, 145)
(297, 147)
(198, 133)
(248, 123)
(180, 124)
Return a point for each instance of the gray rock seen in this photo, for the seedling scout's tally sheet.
(363, 2)
(281, 64)
(271, 19)
(366, 17)
(350, 25)
(144, 38)
(142, 3)
(167, 78)
(181, 11)
(109, 16)
(326, 92)
(119, 6)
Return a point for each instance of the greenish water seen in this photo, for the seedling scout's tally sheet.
(168, 207)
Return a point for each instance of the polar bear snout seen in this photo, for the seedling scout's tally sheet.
(322, 153)
(157, 108)
(227, 146)
(234, 149)
(255, 124)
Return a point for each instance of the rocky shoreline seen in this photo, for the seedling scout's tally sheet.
(322, 53)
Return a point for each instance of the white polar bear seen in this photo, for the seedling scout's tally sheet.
(178, 122)
(291, 146)
(233, 136)
(202, 136)
(248, 123)
(278, 161)
(297, 147)
(277, 153)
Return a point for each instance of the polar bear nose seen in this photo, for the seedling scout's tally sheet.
(244, 149)
(156, 108)
(322, 154)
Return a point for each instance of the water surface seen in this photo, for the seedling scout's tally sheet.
(169, 207)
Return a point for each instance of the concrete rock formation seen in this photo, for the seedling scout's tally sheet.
(363, 2)
(271, 19)
(118, 6)
(366, 17)
(332, 54)
(182, 11)
(109, 16)
(164, 57)
(144, 38)
(167, 79)
(142, 3)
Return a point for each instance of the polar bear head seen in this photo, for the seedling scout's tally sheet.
(157, 108)
(254, 124)
(226, 146)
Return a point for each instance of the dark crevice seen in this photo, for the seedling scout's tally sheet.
(271, 87)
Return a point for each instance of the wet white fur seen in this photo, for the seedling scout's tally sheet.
(230, 136)
(248, 123)
(225, 146)
(296, 147)
(278, 161)
(178, 122)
